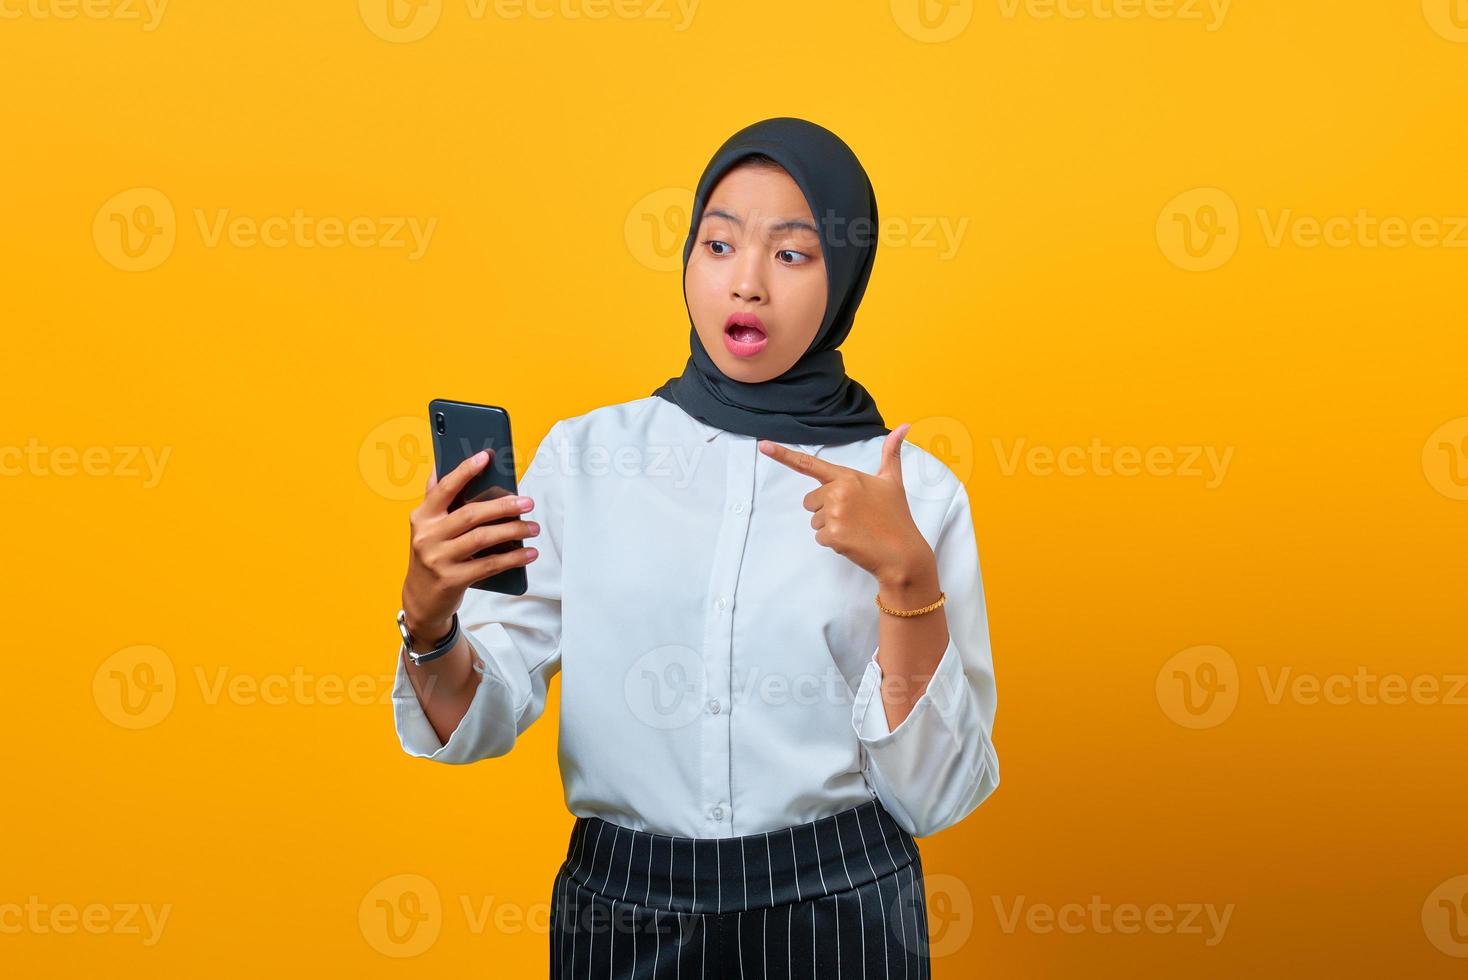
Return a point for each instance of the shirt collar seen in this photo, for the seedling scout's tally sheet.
(712, 432)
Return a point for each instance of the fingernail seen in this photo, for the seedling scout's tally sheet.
(480, 457)
(525, 503)
(531, 553)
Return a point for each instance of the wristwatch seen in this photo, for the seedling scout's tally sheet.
(442, 647)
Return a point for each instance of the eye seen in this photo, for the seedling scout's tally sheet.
(714, 241)
(799, 257)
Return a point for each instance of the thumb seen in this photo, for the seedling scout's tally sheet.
(891, 468)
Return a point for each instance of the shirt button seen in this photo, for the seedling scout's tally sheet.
(739, 507)
(717, 813)
(721, 603)
(714, 705)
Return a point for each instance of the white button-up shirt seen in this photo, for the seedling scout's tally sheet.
(718, 665)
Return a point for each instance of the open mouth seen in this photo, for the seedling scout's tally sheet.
(745, 332)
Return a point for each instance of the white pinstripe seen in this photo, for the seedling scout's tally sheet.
(576, 864)
(813, 940)
(816, 839)
(926, 961)
(917, 934)
(901, 922)
(566, 886)
(860, 905)
(866, 852)
(739, 942)
(764, 939)
(770, 867)
(577, 933)
(789, 951)
(795, 864)
(837, 897)
(841, 849)
(744, 872)
(627, 879)
(616, 836)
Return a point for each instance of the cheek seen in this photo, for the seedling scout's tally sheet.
(701, 296)
(808, 310)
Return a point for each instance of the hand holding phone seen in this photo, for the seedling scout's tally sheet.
(467, 530)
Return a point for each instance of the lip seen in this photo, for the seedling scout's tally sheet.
(743, 348)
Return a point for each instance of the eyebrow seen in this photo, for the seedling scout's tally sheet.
(792, 224)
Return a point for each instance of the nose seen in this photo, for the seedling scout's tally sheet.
(748, 277)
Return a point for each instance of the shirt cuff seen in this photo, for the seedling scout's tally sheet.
(415, 731)
(943, 694)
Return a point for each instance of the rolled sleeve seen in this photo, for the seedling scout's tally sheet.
(939, 764)
(516, 642)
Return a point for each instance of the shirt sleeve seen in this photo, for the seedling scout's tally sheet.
(516, 642)
(939, 764)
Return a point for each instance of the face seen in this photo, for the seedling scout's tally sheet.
(756, 277)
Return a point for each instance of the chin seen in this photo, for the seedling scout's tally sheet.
(742, 370)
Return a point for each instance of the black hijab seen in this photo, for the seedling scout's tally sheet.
(814, 402)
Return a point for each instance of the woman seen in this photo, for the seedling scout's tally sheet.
(765, 607)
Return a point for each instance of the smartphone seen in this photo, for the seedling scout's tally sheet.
(461, 429)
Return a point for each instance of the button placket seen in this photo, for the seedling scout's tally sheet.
(719, 631)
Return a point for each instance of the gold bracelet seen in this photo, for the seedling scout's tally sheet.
(942, 597)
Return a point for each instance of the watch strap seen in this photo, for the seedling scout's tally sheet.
(442, 647)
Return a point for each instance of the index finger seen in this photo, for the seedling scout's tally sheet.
(801, 462)
(443, 491)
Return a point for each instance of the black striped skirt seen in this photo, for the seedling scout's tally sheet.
(837, 897)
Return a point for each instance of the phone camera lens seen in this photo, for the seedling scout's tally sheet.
(438, 421)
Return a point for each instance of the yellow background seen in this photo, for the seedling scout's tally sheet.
(547, 150)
